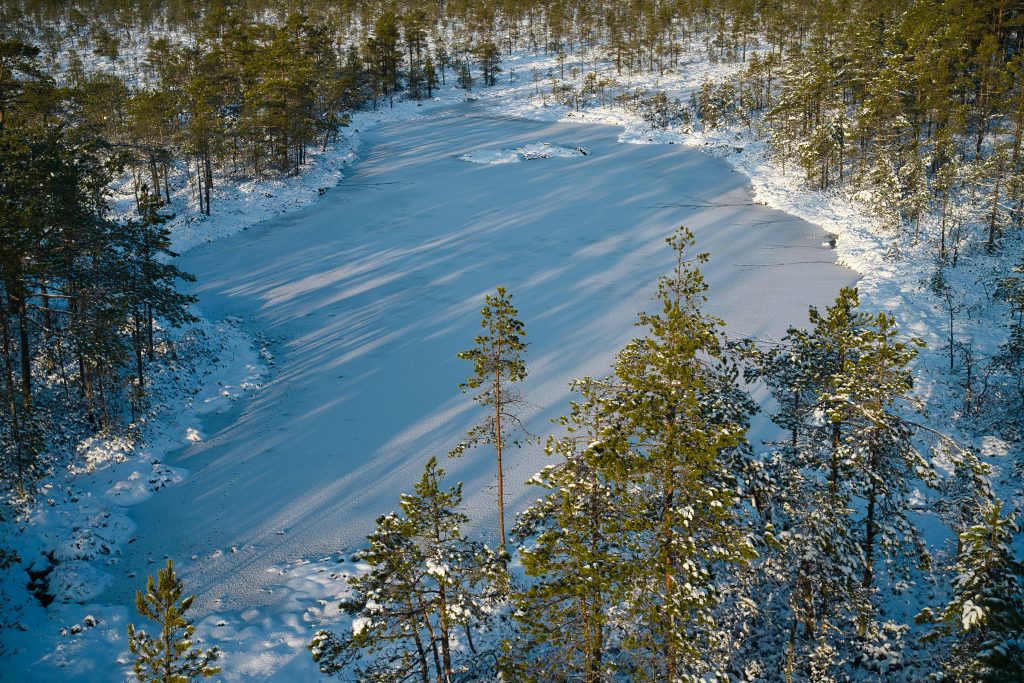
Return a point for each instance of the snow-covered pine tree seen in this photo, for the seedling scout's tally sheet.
(678, 423)
(498, 363)
(428, 588)
(570, 550)
(806, 584)
(837, 495)
(150, 282)
(430, 76)
(1010, 358)
(871, 396)
(465, 78)
(169, 657)
(983, 623)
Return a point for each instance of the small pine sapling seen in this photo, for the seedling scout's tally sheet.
(169, 657)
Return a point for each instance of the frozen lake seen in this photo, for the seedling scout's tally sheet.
(369, 294)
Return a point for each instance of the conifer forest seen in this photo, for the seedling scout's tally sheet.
(414, 341)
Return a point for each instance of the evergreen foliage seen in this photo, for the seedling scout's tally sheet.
(498, 364)
(680, 423)
(983, 622)
(572, 547)
(170, 656)
(79, 292)
(645, 508)
(428, 588)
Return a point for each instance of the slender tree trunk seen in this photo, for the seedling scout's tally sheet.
(12, 400)
(138, 343)
(149, 332)
(942, 225)
(596, 642)
(949, 307)
(869, 534)
(833, 482)
(446, 654)
(47, 316)
(667, 556)
(497, 449)
(420, 651)
(104, 413)
(154, 177)
(995, 206)
(61, 365)
(209, 178)
(19, 298)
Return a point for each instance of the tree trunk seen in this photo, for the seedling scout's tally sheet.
(942, 225)
(497, 449)
(12, 401)
(870, 525)
(149, 332)
(137, 344)
(19, 300)
(420, 650)
(209, 178)
(446, 654)
(667, 556)
(995, 205)
(47, 317)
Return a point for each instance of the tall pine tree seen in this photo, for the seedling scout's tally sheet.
(498, 364)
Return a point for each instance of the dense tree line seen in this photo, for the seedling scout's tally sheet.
(911, 101)
(663, 548)
(239, 97)
(80, 292)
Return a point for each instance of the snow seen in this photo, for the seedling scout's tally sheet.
(529, 152)
(360, 279)
(972, 615)
(75, 542)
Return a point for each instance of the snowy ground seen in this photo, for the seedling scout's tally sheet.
(364, 293)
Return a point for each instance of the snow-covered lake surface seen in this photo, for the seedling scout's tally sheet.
(369, 294)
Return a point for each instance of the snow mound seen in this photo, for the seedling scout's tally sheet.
(77, 581)
(534, 150)
(139, 486)
(492, 156)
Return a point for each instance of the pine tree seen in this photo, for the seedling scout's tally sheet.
(385, 56)
(150, 280)
(680, 422)
(169, 657)
(430, 76)
(489, 58)
(837, 495)
(984, 618)
(465, 78)
(498, 364)
(571, 548)
(428, 585)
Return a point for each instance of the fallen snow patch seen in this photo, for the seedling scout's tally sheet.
(138, 486)
(77, 581)
(530, 152)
